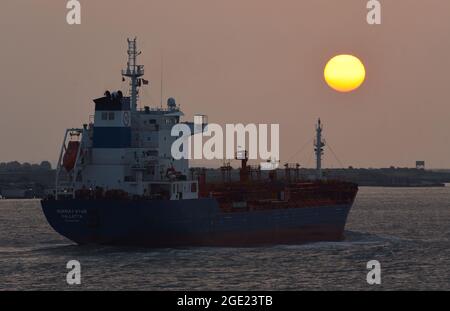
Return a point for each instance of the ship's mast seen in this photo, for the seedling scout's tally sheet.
(134, 72)
(318, 149)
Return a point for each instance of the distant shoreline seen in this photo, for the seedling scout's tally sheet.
(28, 183)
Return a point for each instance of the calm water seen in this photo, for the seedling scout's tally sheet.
(407, 230)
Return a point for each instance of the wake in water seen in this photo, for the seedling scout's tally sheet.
(410, 240)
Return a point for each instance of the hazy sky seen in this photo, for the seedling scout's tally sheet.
(250, 61)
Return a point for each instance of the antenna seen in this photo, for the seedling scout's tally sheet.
(162, 79)
(133, 71)
(318, 149)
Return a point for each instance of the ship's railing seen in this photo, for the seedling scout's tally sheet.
(158, 109)
(148, 145)
(64, 190)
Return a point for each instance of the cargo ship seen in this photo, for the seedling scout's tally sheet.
(117, 184)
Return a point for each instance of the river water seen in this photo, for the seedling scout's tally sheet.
(406, 229)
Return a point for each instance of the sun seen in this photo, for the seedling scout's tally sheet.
(345, 73)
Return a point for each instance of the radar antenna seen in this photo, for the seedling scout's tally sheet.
(134, 72)
(319, 145)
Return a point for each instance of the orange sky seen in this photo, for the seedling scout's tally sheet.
(250, 61)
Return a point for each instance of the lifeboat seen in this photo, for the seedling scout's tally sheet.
(70, 157)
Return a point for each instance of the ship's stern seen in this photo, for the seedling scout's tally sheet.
(77, 222)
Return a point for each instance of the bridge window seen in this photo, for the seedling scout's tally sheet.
(111, 116)
(169, 121)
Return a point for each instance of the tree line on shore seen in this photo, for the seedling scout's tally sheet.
(16, 166)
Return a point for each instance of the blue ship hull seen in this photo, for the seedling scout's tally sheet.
(187, 223)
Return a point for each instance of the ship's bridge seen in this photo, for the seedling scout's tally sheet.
(112, 121)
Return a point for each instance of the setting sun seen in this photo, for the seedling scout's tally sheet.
(344, 73)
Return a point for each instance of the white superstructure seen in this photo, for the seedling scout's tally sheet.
(126, 149)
